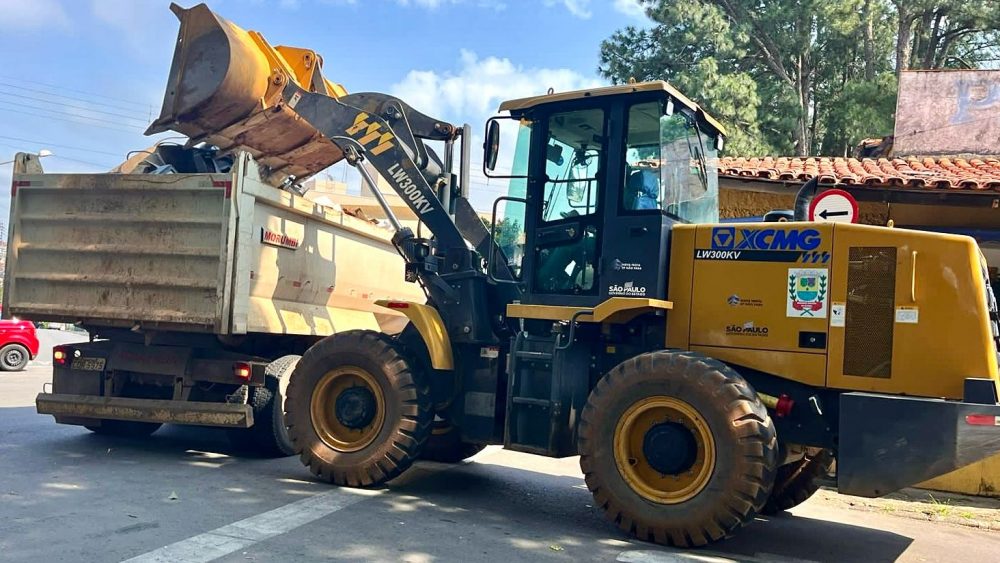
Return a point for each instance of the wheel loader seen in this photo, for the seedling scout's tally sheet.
(703, 372)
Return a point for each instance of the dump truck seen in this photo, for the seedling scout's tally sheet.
(199, 290)
(703, 373)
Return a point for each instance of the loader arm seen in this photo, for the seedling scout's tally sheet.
(389, 135)
(401, 157)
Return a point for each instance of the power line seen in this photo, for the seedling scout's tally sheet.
(65, 89)
(119, 129)
(63, 157)
(56, 156)
(47, 144)
(112, 106)
(63, 104)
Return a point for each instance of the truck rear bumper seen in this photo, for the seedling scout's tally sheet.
(890, 442)
(68, 408)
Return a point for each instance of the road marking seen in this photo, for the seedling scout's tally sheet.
(244, 533)
(668, 555)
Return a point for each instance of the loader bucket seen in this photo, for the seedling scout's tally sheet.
(225, 88)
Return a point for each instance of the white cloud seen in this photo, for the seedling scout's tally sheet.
(477, 87)
(472, 93)
(631, 8)
(21, 15)
(579, 8)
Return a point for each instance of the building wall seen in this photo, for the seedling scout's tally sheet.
(948, 112)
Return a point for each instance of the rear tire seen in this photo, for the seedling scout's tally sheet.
(445, 444)
(677, 448)
(357, 409)
(268, 436)
(14, 357)
(796, 482)
(125, 428)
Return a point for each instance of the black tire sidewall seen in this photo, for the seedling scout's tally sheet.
(708, 388)
(403, 396)
(25, 357)
(447, 446)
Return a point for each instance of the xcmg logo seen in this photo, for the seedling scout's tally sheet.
(731, 238)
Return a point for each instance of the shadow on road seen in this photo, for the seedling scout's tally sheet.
(474, 511)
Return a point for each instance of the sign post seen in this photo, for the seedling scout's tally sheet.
(834, 206)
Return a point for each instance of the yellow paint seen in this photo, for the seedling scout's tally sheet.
(323, 409)
(521, 104)
(680, 287)
(802, 367)
(630, 456)
(939, 276)
(738, 310)
(618, 310)
(981, 478)
(615, 310)
(431, 328)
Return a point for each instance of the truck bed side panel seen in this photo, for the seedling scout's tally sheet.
(120, 248)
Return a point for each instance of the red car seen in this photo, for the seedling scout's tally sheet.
(18, 344)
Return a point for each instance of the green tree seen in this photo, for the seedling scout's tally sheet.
(800, 76)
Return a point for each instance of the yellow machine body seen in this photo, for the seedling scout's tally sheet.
(225, 86)
(849, 307)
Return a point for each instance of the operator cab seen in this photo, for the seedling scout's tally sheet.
(598, 178)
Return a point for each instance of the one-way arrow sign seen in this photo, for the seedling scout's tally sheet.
(827, 213)
(834, 206)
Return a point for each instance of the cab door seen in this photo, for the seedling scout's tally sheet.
(568, 185)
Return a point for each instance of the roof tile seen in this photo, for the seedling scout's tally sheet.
(923, 173)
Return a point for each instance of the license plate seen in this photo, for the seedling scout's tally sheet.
(88, 364)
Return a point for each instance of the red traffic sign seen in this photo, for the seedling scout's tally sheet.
(834, 206)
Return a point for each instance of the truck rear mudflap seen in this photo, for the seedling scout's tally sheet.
(87, 409)
(891, 442)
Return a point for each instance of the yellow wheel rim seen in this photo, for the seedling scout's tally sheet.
(658, 475)
(347, 408)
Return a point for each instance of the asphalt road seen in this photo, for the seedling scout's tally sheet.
(68, 495)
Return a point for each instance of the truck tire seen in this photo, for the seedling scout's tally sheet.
(125, 428)
(677, 448)
(445, 444)
(14, 357)
(796, 482)
(358, 409)
(268, 436)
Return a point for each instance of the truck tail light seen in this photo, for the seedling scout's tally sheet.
(982, 420)
(242, 370)
(59, 356)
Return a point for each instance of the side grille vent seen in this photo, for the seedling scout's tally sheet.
(871, 307)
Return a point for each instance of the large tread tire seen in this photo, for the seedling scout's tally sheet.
(125, 428)
(445, 444)
(268, 436)
(743, 433)
(796, 482)
(14, 357)
(408, 412)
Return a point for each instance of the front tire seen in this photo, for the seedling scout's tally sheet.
(14, 357)
(677, 448)
(357, 408)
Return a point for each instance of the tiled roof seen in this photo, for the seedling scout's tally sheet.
(904, 173)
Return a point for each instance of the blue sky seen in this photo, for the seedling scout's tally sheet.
(83, 78)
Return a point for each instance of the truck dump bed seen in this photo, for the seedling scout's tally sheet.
(222, 253)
